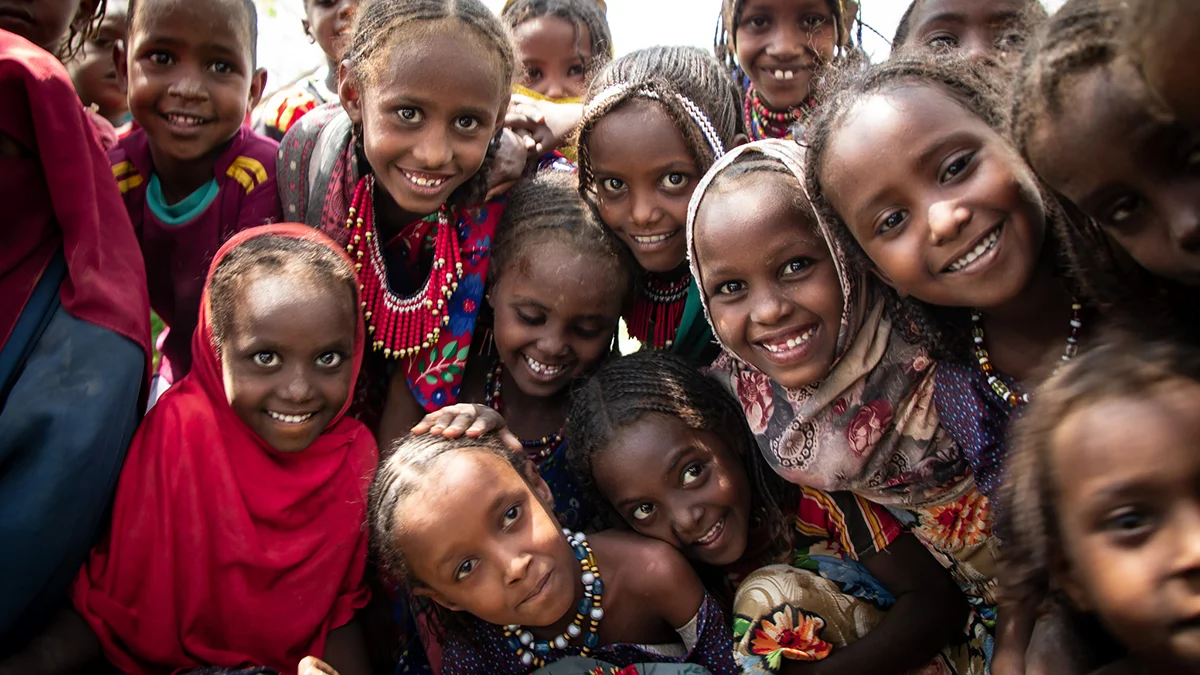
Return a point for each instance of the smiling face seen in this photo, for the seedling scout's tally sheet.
(644, 176)
(781, 44)
(777, 304)
(94, 70)
(975, 28)
(428, 113)
(190, 75)
(940, 202)
(287, 359)
(1142, 185)
(679, 485)
(1127, 472)
(555, 55)
(329, 23)
(45, 23)
(483, 541)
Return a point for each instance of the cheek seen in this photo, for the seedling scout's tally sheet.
(727, 322)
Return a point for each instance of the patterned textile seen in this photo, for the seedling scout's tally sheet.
(577, 665)
(286, 106)
(977, 420)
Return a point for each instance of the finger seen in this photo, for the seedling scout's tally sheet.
(480, 427)
(501, 189)
(510, 440)
(311, 665)
(460, 425)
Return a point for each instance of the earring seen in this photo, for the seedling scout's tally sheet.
(311, 40)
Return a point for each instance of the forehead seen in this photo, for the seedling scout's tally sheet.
(969, 12)
(295, 306)
(557, 275)
(212, 22)
(450, 512)
(641, 451)
(749, 7)
(551, 32)
(637, 133)
(426, 60)
(764, 202)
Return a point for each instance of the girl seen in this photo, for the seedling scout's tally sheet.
(1103, 497)
(1141, 186)
(484, 546)
(559, 45)
(996, 29)
(327, 24)
(95, 73)
(654, 121)
(669, 449)
(398, 179)
(236, 535)
(74, 333)
(776, 50)
(834, 399)
(1161, 37)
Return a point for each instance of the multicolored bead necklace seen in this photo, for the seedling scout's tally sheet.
(400, 326)
(764, 123)
(1002, 390)
(538, 449)
(533, 652)
(658, 310)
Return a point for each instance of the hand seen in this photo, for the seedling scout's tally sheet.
(471, 419)
(311, 665)
(508, 165)
(527, 118)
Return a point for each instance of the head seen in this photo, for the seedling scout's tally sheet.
(558, 283)
(469, 524)
(190, 70)
(670, 451)
(1160, 37)
(654, 121)
(995, 29)
(1102, 489)
(61, 27)
(559, 44)
(782, 45)
(777, 305)
(284, 316)
(426, 85)
(328, 23)
(94, 69)
(1142, 185)
(949, 216)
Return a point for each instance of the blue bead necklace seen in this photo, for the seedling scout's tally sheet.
(533, 652)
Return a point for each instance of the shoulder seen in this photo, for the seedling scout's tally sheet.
(128, 165)
(664, 578)
(250, 160)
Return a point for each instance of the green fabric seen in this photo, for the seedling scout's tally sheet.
(694, 338)
(186, 209)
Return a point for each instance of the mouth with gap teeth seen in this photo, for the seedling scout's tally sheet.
(791, 343)
(543, 371)
(290, 419)
(425, 183)
(983, 247)
(712, 535)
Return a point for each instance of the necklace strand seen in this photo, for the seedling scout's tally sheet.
(998, 386)
(538, 449)
(658, 310)
(763, 122)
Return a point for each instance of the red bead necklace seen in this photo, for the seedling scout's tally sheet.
(658, 311)
(763, 123)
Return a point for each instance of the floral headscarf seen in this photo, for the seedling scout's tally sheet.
(870, 425)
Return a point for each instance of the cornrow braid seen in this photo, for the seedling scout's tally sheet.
(688, 83)
(580, 13)
(845, 12)
(628, 389)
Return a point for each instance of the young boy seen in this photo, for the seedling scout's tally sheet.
(192, 175)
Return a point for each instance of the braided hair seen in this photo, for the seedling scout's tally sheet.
(248, 9)
(701, 99)
(587, 14)
(1033, 15)
(80, 31)
(626, 390)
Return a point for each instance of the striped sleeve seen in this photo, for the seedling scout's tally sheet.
(858, 527)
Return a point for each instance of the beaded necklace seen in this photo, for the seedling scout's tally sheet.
(533, 652)
(764, 123)
(544, 446)
(998, 387)
(658, 310)
(400, 326)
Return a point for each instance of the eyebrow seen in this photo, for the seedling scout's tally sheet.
(674, 456)
(1007, 16)
(526, 300)
(921, 161)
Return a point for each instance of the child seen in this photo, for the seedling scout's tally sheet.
(484, 546)
(74, 335)
(655, 120)
(326, 23)
(559, 44)
(403, 190)
(776, 50)
(236, 537)
(1161, 38)
(1140, 186)
(995, 29)
(192, 176)
(94, 70)
(835, 400)
(669, 449)
(1102, 487)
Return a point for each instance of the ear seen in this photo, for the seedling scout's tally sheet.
(882, 276)
(538, 485)
(348, 91)
(436, 597)
(740, 139)
(307, 29)
(258, 84)
(502, 114)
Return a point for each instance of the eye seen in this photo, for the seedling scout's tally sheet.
(1010, 42)
(892, 221)
(464, 569)
(942, 42)
(1124, 209)
(511, 515)
(410, 115)
(756, 22)
(613, 184)
(533, 74)
(531, 320)
(956, 167)
(330, 360)
(266, 359)
(674, 180)
(1193, 158)
(104, 42)
(643, 511)
(576, 70)
(1129, 523)
(467, 123)
(813, 21)
(691, 473)
(223, 67)
(589, 333)
(160, 58)
(731, 287)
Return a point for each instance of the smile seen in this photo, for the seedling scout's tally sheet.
(712, 535)
(652, 239)
(987, 244)
(183, 120)
(428, 181)
(790, 343)
(782, 74)
(543, 370)
(290, 419)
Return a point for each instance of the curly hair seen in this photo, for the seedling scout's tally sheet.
(80, 31)
(974, 85)
(700, 98)
(587, 14)
(628, 389)
(1034, 14)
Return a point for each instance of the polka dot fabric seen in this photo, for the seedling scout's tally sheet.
(976, 419)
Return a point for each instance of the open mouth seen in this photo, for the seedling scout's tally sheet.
(185, 121)
(653, 239)
(428, 183)
(543, 371)
(985, 246)
(290, 419)
(713, 534)
(793, 342)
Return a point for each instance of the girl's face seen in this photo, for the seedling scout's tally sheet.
(555, 316)
(940, 202)
(288, 358)
(975, 28)
(329, 23)
(1166, 46)
(45, 23)
(777, 304)
(781, 44)
(94, 71)
(428, 119)
(483, 541)
(1128, 478)
(679, 485)
(644, 176)
(1142, 185)
(555, 55)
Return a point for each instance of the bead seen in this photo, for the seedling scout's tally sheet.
(560, 642)
(512, 643)
(597, 613)
(591, 640)
(598, 588)
(526, 638)
(574, 630)
(541, 648)
(584, 605)
(527, 659)
(588, 578)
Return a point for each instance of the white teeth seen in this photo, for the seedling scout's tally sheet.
(711, 534)
(784, 74)
(424, 182)
(791, 343)
(289, 419)
(653, 239)
(983, 247)
(543, 369)
(185, 120)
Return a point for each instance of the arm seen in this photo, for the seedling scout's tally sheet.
(1014, 628)
(930, 609)
(68, 645)
(346, 650)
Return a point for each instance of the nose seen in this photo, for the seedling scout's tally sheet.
(1186, 556)
(346, 9)
(298, 388)
(556, 88)
(768, 307)
(975, 47)
(685, 520)
(946, 221)
(189, 85)
(552, 343)
(518, 568)
(433, 148)
(1183, 219)
(787, 43)
(644, 210)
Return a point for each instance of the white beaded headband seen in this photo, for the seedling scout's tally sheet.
(702, 122)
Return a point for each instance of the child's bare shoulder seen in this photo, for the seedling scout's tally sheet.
(657, 573)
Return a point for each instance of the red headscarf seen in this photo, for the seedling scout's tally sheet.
(223, 551)
(60, 193)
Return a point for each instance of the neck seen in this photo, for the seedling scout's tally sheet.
(390, 219)
(673, 275)
(181, 178)
(331, 80)
(1022, 331)
(558, 627)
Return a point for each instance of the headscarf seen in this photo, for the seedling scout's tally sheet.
(60, 195)
(869, 426)
(224, 551)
